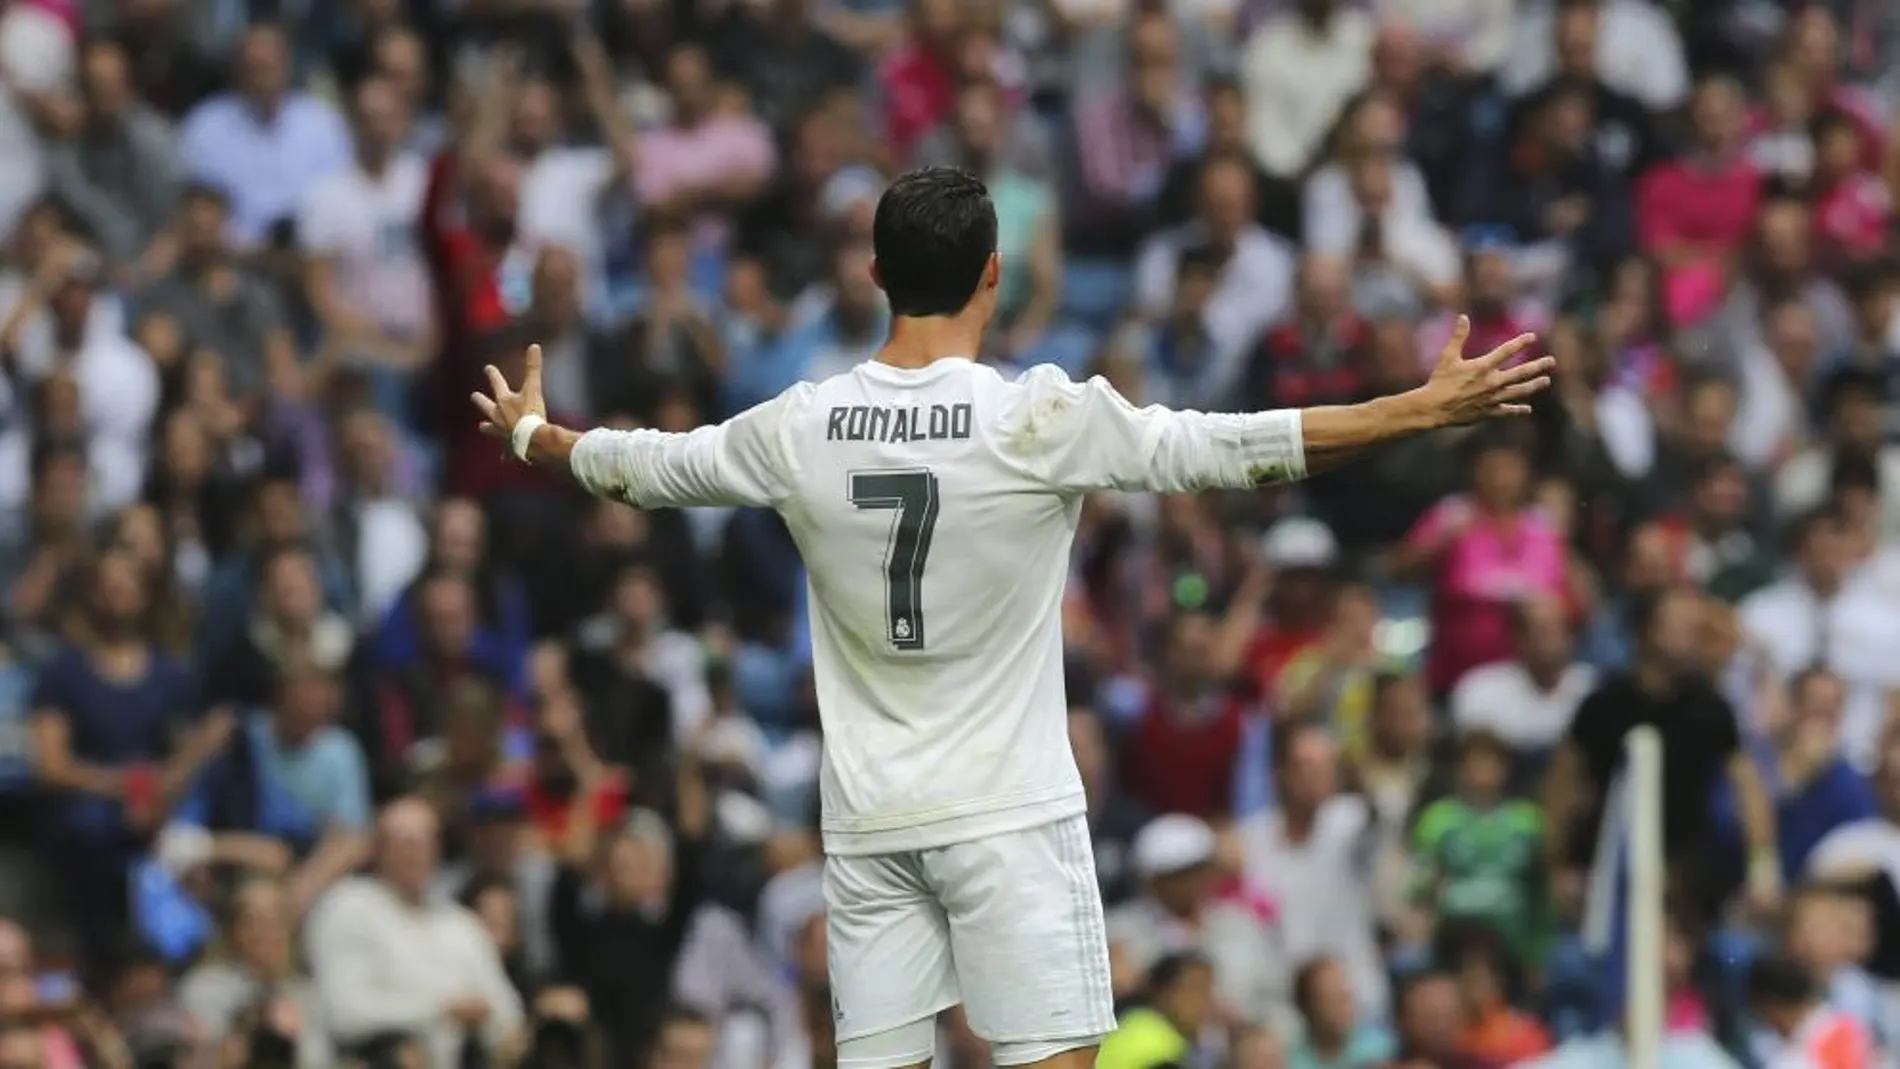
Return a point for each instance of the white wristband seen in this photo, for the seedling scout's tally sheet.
(523, 434)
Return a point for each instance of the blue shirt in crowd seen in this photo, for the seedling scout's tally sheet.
(113, 723)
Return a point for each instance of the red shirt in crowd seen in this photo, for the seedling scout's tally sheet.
(1291, 376)
(1272, 647)
(549, 812)
(1182, 760)
(465, 270)
(1851, 216)
(1505, 1037)
(920, 91)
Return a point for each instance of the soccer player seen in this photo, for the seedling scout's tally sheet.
(934, 501)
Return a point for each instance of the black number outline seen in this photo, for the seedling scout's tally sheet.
(912, 494)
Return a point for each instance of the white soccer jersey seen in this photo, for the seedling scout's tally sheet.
(934, 509)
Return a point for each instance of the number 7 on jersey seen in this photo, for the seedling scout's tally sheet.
(912, 494)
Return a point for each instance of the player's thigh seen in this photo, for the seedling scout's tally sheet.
(1031, 950)
(888, 946)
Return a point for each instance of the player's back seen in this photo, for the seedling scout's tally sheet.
(937, 558)
(934, 509)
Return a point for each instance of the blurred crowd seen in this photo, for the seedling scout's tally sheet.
(330, 737)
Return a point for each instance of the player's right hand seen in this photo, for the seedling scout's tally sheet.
(503, 407)
(1465, 391)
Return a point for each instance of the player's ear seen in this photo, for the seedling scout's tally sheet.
(877, 276)
(993, 271)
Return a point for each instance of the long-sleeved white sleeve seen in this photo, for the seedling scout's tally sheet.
(1078, 437)
(744, 461)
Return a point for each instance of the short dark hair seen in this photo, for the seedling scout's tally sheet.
(1803, 528)
(1855, 383)
(1201, 259)
(1711, 466)
(1832, 121)
(1483, 740)
(1853, 470)
(1776, 979)
(1169, 970)
(202, 192)
(1645, 609)
(1872, 278)
(678, 1014)
(933, 235)
(1306, 983)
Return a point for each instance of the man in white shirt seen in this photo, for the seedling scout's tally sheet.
(263, 144)
(1301, 67)
(934, 503)
(59, 325)
(1311, 855)
(365, 275)
(1253, 285)
(37, 68)
(1817, 615)
(1637, 48)
(1178, 912)
(1527, 701)
(391, 956)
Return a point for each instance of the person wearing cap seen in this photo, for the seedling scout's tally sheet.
(1174, 857)
(501, 847)
(1285, 607)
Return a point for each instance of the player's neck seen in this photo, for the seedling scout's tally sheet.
(917, 342)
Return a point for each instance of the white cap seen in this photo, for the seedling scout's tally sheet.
(182, 847)
(1173, 843)
(847, 189)
(1299, 542)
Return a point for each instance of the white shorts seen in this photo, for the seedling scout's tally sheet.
(1009, 925)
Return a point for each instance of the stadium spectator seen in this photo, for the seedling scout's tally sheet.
(1309, 857)
(265, 144)
(1702, 747)
(1484, 553)
(365, 277)
(1333, 1033)
(1528, 701)
(119, 172)
(1174, 857)
(391, 962)
(107, 744)
(258, 966)
(1301, 67)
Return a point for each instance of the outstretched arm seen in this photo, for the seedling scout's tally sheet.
(1082, 437)
(738, 462)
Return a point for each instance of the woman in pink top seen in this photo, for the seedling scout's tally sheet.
(1485, 553)
(1695, 213)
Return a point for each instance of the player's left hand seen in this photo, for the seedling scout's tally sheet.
(1485, 387)
(503, 407)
